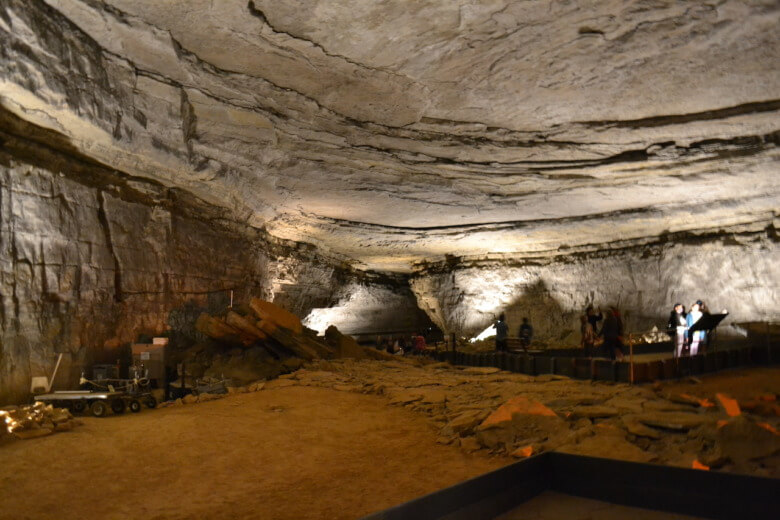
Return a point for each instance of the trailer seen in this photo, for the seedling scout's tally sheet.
(97, 403)
(128, 393)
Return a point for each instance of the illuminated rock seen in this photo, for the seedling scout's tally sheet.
(350, 163)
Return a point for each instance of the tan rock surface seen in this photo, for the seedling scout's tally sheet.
(513, 411)
(358, 164)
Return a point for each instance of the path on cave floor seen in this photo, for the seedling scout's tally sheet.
(286, 453)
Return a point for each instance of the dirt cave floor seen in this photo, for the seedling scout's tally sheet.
(289, 453)
(344, 438)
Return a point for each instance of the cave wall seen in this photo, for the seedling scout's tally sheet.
(390, 309)
(734, 271)
(91, 260)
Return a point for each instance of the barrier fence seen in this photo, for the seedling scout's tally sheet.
(630, 371)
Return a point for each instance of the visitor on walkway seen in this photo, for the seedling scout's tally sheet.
(593, 318)
(419, 343)
(695, 338)
(588, 336)
(707, 339)
(677, 327)
(526, 334)
(502, 333)
(612, 331)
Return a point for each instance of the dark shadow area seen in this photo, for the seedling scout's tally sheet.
(645, 486)
(551, 323)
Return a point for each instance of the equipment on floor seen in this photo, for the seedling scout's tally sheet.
(100, 395)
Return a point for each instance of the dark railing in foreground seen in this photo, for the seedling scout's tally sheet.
(705, 494)
(607, 370)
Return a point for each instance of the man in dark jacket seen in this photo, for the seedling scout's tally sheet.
(593, 318)
(677, 328)
(502, 333)
(613, 332)
(526, 334)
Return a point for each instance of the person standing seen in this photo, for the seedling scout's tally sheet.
(612, 330)
(502, 333)
(696, 337)
(526, 334)
(419, 343)
(707, 339)
(588, 336)
(677, 328)
(592, 317)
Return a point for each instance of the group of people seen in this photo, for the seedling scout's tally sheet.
(610, 335)
(611, 332)
(402, 346)
(680, 325)
(526, 334)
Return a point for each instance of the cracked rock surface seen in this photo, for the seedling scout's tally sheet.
(484, 408)
(392, 134)
(360, 160)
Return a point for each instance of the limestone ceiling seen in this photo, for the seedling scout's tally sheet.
(392, 132)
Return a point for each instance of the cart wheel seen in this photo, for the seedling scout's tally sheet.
(150, 402)
(117, 406)
(98, 408)
(134, 405)
(78, 406)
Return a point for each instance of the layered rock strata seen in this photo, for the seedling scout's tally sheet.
(736, 272)
(92, 259)
(491, 129)
(501, 154)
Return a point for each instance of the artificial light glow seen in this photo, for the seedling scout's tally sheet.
(487, 333)
(321, 319)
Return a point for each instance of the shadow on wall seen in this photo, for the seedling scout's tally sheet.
(552, 324)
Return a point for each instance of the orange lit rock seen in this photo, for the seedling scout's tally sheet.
(519, 421)
(729, 405)
(515, 406)
(768, 427)
(698, 465)
(523, 452)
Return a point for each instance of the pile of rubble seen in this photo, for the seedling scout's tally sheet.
(35, 420)
(483, 408)
(204, 397)
(262, 340)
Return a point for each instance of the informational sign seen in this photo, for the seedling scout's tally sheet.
(144, 356)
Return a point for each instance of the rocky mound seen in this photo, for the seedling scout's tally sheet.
(261, 341)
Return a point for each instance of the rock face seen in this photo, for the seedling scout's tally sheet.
(392, 135)
(90, 260)
(615, 151)
(733, 272)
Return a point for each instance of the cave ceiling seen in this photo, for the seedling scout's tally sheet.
(394, 133)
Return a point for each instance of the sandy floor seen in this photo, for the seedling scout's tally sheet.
(312, 445)
(287, 453)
